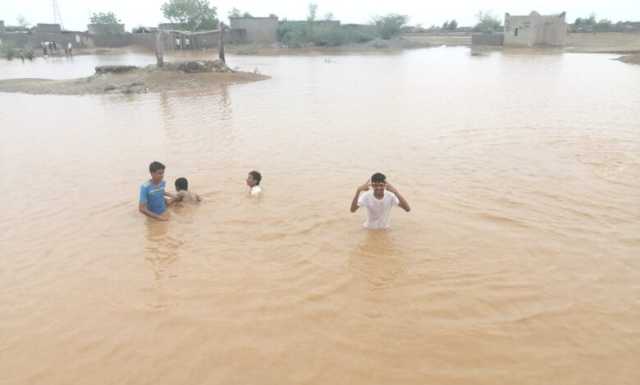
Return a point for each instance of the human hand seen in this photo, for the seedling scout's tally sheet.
(365, 187)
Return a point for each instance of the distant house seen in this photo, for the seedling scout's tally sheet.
(105, 29)
(535, 30)
(257, 29)
(47, 28)
(173, 27)
(315, 23)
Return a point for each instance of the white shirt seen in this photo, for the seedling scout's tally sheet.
(255, 190)
(377, 209)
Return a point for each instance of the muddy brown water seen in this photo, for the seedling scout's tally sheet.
(519, 263)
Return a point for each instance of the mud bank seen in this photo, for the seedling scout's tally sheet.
(630, 59)
(132, 80)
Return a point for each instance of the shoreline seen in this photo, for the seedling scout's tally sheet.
(140, 80)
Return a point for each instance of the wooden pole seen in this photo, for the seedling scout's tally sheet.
(159, 50)
(221, 44)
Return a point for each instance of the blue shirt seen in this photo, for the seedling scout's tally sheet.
(152, 196)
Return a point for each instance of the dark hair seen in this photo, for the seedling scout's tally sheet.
(182, 184)
(378, 178)
(155, 166)
(256, 176)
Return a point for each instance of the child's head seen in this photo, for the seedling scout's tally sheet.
(157, 171)
(378, 182)
(182, 184)
(254, 179)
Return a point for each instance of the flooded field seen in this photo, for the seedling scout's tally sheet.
(518, 264)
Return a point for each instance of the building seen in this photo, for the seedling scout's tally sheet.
(316, 23)
(535, 30)
(105, 29)
(47, 28)
(33, 39)
(257, 29)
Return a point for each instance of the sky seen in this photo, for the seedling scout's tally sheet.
(75, 13)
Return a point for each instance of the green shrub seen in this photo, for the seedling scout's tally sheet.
(296, 35)
(390, 26)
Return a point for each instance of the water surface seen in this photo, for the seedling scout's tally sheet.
(517, 264)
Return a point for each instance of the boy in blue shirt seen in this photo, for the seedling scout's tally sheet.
(152, 194)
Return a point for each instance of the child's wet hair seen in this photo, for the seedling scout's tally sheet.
(256, 176)
(182, 184)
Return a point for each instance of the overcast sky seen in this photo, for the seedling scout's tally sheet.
(75, 13)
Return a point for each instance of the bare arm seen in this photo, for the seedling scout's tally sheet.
(403, 202)
(173, 198)
(143, 209)
(354, 202)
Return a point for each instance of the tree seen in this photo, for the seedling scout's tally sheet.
(313, 11)
(390, 25)
(603, 25)
(193, 14)
(22, 21)
(453, 25)
(104, 18)
(328, 16)
(487, 22)
(235, 12)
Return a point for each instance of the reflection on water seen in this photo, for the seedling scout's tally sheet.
(377, 259)
(517, 264)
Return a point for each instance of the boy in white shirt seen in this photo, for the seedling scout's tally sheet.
(253, 181)
(378, 197)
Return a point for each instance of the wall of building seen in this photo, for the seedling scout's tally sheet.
(534, 30)
(145, 40)
(518, 30)
(202, 40)
(317, 23)
(34, 39)
(111, 40)
(258, 29)
(47, 28)
(553, 31)
(105, 29)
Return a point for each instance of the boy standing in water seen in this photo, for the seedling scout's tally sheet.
(152, 194)
(253, 181)
(378, 197)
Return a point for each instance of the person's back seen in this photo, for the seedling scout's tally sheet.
(183, 193)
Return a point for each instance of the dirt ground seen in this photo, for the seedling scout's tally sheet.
(449, 39)
(610, 42)
(139, 81)
(631, 59)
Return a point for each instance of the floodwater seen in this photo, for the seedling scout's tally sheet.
(518, 264)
